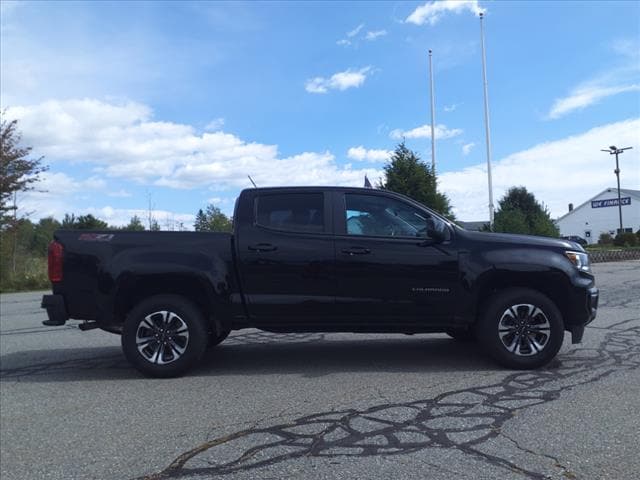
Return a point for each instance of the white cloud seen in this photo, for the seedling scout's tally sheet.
(373, 35)
(354, 36)
(355, 31)
(368, 155)
(451, 108)
(121, 216)
(626, 47)
(558, 172)
(432, 12)
(467, 147)
(583, 96)
(53, 192)
(350, 36)
(119, 193)
(215, 124)
(424, 131)
(621, 76)
(338, 81)
(58, 193)
(124, 141)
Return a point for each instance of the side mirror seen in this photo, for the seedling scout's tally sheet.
(438, 236)
(436, 232)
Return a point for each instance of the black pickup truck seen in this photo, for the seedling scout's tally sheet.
(322, 259)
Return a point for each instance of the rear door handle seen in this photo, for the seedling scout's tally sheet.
(356, 251)
(262, 247)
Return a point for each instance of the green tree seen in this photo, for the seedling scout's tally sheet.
(212, 220)
(42, 235)
(406, 174)
(511, 221)
(23, 261)
(520, 212)
(135, 224)
(83, 222)
(154, 226)
(18, 172)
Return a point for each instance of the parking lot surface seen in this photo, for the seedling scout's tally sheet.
(322, 406)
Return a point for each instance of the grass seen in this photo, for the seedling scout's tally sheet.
(30, 274)
(609, 247)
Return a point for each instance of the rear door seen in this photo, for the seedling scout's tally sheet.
(387, 269)
(286, 257)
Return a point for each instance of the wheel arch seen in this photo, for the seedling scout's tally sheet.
(133, 289)
(552, 284)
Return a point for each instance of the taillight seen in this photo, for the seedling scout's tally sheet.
(55, 262)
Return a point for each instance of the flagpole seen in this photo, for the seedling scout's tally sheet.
(486, 120)
(433, 117)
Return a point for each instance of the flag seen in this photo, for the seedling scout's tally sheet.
(367, 183)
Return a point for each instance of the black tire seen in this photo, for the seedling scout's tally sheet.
(466, 336)
(217, 339)
(517, 336)
(166, 350)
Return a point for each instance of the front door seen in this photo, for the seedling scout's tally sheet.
(387, 269)
(286, 258)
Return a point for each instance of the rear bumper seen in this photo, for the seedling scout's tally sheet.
(56, 310)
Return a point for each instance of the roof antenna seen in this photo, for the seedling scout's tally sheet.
(254, 183)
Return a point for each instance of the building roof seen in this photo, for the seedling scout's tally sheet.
(474, 225)
(625, 191)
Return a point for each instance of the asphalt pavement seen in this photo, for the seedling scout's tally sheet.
(322, 406)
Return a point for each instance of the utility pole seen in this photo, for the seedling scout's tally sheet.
(613, 150)
(433, 118)
(486, 120)
(15, 232)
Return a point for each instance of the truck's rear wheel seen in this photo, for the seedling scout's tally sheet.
(521, 328)
(164, 336)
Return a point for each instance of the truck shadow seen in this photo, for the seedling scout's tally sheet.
(259, 353)
(319, 356)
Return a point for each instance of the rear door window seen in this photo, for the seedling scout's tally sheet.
(293, 212)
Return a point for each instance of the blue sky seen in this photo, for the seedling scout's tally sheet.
(173, 104)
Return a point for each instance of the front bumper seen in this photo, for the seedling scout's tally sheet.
(586, 316)
(56, 310)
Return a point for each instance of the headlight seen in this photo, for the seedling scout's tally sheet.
(580, 260)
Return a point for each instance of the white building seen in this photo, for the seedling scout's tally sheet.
(600, 215)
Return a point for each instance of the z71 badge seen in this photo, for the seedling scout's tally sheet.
(96, 237)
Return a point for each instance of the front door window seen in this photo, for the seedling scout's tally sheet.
(378, 216)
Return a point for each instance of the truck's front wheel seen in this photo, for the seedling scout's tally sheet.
(521, 328)
(164, 336)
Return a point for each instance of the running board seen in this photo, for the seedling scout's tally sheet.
(88, 326)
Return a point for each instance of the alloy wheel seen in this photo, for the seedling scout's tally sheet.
(524, 329)
(162, 337)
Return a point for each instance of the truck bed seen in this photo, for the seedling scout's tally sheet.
(99, 263)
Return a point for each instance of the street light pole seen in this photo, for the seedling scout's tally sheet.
(433, 117)
(613, 150)
(486, 121)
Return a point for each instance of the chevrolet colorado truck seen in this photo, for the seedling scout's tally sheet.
(321, 259)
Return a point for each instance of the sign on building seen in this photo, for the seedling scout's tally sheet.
(610, 202)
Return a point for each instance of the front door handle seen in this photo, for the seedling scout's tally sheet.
(356, 251)
(262, 247)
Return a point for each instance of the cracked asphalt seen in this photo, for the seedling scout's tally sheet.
(322, 406)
